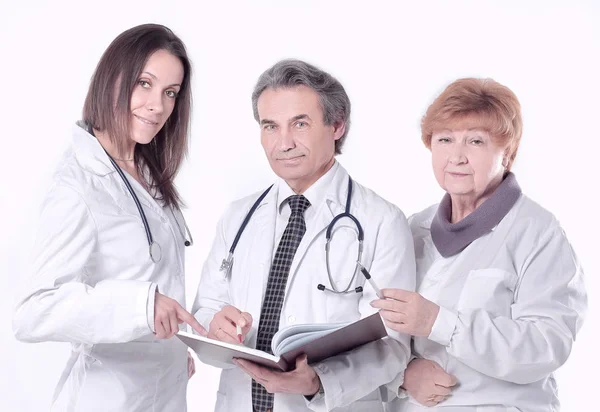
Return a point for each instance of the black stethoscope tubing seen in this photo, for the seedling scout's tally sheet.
(135, 199)
(227, 263)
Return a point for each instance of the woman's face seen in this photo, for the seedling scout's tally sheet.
(153, 98)
(466, 161)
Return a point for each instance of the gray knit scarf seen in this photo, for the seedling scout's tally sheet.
(451, 238)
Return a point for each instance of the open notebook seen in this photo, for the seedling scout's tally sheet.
(318, 341)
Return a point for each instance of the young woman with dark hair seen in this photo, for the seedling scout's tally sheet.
(108, 260)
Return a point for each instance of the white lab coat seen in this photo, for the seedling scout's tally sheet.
(388, 254)
(93, 284)
(511, 305)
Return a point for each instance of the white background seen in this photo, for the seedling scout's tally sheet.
(392, 57)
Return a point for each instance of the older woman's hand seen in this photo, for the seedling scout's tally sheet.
(407, 312)
(427, 382)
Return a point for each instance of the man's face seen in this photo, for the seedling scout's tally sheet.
(299, 145)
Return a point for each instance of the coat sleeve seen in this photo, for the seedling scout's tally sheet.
(58, 304)
(213, 289)
(385, 360)
(548, 310)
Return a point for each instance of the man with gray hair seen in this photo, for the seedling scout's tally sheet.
(283, 274)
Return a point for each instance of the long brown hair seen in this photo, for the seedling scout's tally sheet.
(108, 104)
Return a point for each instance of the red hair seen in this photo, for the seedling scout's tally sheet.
(477, 103)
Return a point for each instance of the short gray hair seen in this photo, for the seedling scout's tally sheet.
(291, 73)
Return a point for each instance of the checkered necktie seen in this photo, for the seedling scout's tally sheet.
(271, 308)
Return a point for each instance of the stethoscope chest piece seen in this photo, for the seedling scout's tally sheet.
(226, 265)
(155, 252)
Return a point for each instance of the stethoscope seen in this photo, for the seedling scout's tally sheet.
(227, 263)
(153, 246)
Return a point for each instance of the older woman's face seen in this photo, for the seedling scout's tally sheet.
(466, 162)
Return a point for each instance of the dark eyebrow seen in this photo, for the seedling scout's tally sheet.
(155, 78)
(300, 117)
(293, 119)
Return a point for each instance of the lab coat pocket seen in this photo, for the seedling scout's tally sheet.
(141, 360)
(343, 276)
(489, 289)
(343, 307)
(365, 406)
(221, 403)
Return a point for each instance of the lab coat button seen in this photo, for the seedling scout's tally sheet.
(163, 219)
(291, 319)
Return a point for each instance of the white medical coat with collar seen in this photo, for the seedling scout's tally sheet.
(350, 380)
(511, 304)
(93, 285)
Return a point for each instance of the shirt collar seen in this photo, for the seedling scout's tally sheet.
(315, 194)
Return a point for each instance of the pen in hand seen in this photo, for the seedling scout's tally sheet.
(238, 331)
(367, 275)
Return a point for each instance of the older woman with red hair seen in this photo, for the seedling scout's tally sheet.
(500, 295)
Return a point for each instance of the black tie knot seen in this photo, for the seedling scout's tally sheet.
(298, 204)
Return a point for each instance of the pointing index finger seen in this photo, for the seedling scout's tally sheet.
(191, 320)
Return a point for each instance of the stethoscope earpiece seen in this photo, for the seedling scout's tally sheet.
(322, 288)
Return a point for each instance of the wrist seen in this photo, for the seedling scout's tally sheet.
(318, 385)
(318, 388)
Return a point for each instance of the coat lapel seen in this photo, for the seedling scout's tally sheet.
(92, 157)
(261, 252)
